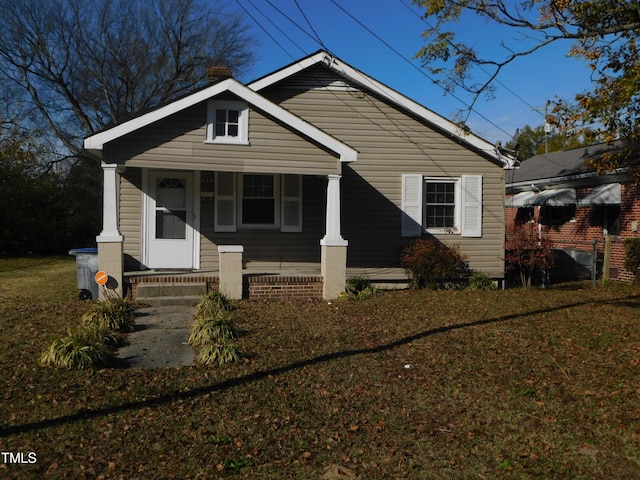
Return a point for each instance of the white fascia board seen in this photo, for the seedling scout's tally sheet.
(97, 141)
(346, 153)
(388, 93)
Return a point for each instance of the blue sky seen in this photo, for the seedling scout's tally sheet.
(524, 86)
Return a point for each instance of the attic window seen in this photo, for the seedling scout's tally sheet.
(227, 122)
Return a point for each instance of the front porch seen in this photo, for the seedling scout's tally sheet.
(301, 284)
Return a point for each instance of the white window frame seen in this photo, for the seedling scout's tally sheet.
(456, 207)
(243, 122)
(276, 202)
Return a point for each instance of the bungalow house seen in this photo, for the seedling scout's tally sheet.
(576, 209)
(292, 183)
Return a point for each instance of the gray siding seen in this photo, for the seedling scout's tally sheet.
(178, 142)
(391, 143)
(266, 249)
(131, 216)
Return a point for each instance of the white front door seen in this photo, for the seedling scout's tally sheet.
(170, 220)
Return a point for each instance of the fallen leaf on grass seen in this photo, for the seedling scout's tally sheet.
(337, 472)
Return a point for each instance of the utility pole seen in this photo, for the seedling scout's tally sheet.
(547, 125)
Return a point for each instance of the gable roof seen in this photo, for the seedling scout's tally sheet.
(345, 152)
(558, 167)
(472, 141)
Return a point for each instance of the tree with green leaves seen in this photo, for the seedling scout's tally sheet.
(604, 33)
(537, 140)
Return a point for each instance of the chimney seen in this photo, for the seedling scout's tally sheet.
(218, 73)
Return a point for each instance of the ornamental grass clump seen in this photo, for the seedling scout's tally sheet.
(212, 331)
(219, 353)
(481, 281)
(359, 288)
(115, 313)
(212, 303)
(82, 348)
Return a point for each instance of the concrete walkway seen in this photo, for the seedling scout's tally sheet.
(160, 339)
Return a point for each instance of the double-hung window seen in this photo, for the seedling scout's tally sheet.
(451, 205)
(258, 205)
(261, 201)
(227, 122)
(440, 204)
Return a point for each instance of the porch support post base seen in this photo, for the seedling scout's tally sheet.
(111, 261)
(334, 269)
(231, 270)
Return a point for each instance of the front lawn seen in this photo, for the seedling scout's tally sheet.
(406, 385)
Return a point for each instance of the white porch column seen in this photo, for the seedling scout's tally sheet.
(332, 234)
(110, 232)
(110, 241)
(334, 247)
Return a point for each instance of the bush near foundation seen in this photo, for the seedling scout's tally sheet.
(434, 264)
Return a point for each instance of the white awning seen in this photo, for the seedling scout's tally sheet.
(559, 197)
(608, 194)
(521, 199)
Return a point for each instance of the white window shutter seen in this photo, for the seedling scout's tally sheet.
(412, 205)
(291, 203)
(225, 202)
(471, 205)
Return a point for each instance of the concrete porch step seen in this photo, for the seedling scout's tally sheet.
(161, 294)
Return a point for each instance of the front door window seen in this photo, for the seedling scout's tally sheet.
(171, 208)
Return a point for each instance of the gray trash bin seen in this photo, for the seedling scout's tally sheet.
(87, 266)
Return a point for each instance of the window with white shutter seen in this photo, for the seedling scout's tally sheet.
(441, 205)
(257, 201)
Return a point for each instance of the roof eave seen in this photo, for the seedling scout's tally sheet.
(344, 152)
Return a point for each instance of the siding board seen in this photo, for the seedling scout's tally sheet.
(391, 142)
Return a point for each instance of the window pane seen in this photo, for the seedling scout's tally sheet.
(232, 131)
(258, 186)
(171, 224)
(221, 116)
(258, 211)
(440, 216)
(220, 130)
(233, 116)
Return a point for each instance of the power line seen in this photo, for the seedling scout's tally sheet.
(421, 71)
(310, 25)
(479, 66)
(262, 28)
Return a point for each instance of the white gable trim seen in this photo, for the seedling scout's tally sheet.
(346, 153)
(388, 93)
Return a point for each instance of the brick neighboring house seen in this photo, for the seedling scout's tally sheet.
(574, 206)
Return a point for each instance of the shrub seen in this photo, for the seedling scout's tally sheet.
(481, 281)
(218, 354)
(79, 349)
(528, 254)
(115, 314)
(632, 255)
(210, 330)
(431, 263)
(359, 288)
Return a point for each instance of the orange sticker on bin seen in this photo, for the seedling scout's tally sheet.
(101, 278)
